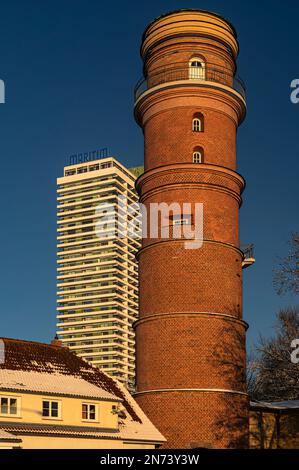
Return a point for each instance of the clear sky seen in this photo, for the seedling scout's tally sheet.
(70, 67)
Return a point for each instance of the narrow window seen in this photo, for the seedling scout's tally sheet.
(198, 122)
(4, 406)
(197, 69)
(181, 219)
(196, 125)
(51, 409)
(89, 412)
(198, 156)
(13, 406)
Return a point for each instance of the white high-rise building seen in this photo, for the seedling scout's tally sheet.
(97, 269)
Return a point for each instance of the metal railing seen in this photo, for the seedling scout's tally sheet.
(212, 73)
(248, 251)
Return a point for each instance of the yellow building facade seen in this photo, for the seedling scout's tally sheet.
(50, 398)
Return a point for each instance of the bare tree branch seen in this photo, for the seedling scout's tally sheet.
(286, 275)
(274, 376)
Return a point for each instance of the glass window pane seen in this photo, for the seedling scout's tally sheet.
(4, 405)
(46, 408)
(84, 412)
(13, 406)
(92, 412)
(54, 409)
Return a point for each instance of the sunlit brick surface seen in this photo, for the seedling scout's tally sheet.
(190, 333)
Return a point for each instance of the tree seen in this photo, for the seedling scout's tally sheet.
(273, 376)
(286, 275)
(252, 378)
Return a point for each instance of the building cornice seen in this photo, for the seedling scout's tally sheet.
(214, 315)
(199, 89)
(165, 170)
(191, 390)
(183, 241)
(189, 22)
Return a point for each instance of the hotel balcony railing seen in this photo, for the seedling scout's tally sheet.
(210, 73)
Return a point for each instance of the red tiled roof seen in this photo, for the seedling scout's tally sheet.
(21, 429)
(52, 384)
(6, 436)
(51, 359)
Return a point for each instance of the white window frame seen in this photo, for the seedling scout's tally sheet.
(181, 219)
(197, 157)
(11, 415)
(197, 124)
(59, 417)
(89, 404)
(197, 72)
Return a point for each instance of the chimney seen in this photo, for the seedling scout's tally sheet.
(56, 341)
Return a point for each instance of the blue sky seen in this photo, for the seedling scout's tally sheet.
(70, 67)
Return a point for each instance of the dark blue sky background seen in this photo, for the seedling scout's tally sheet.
(70, 67)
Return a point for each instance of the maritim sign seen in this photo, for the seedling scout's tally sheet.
(88, 156)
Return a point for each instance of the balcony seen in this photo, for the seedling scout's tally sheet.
(183, 72)
(248, 256)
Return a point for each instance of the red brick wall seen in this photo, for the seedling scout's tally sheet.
(209, 352)
(169, 138)
(220, 211)
(198, 419)
(173, 279)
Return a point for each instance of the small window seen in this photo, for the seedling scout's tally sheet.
(196, 125)
(197, 156)
(89, 412)
(181, 219)
(9, 406)
(197, 122)
(197, 69)
(51, 409)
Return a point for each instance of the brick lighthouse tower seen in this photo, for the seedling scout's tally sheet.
(190, 335)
